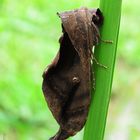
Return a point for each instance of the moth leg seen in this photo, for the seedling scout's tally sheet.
(92, 79)
(107, 41)
(99, 64)
(93, 83)
(96, 61)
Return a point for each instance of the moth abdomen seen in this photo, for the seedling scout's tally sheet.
(61, 135)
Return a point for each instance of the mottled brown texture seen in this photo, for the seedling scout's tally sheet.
(67, 80)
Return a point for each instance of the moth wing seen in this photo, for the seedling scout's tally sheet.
(58, 78)
(77, 24)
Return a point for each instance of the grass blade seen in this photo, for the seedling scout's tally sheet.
(105, 54)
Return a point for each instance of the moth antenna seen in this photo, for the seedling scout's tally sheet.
(105, 41)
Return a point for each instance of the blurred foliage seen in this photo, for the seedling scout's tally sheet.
(29, 32)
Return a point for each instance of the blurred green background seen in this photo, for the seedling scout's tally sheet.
(29, 33)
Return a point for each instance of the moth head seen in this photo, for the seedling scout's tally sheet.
(97, 17)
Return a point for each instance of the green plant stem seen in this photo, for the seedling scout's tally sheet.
(105, 53)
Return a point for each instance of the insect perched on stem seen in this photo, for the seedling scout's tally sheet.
(68, 80)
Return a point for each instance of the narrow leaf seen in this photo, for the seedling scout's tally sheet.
(105, 53)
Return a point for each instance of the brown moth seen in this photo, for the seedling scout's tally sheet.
(67, 81)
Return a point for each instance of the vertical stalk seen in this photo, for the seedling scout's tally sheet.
(105, 53)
